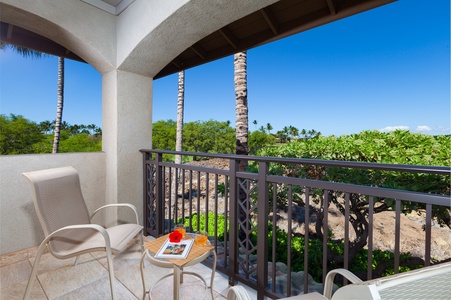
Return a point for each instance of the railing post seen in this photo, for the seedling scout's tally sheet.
(159, 194)
(262, 229)
(233, 215)
(145, 192)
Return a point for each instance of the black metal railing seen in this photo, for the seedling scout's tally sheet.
(257, 221)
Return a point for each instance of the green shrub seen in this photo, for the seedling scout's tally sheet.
(211, 224)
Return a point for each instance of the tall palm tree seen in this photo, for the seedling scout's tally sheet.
(179, 129)
(180, 109)
(46, 126)
(241, 108)
(241, 132)
(269, 128)
(294, 132)
(59, 106)
(25, 52)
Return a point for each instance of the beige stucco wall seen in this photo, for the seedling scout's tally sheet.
(19, 224)
(127, 111)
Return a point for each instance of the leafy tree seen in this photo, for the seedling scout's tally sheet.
(80, 143)
(163, 135)
(398, 147)
(282, 135)
(258, 140)
(17, 135)
(210, 136)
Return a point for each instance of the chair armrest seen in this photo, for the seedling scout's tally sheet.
(329, 281)
(99, 228)
(118, 205)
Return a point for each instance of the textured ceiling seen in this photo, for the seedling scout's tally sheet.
(114, 7)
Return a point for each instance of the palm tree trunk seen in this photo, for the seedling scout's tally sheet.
(180, 108)
(59, 108)
(179, 134)
(241, 132)
(241, 109)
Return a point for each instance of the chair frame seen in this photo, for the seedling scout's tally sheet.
(107, 248)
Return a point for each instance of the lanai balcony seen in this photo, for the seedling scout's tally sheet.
(250, 234)
(132, 42)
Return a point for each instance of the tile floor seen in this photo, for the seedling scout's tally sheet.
(60, 279)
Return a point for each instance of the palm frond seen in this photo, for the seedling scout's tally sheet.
(25, 52)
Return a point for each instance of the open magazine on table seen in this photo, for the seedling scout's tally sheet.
(175, 250)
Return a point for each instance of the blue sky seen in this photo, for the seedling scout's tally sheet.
(379, 70)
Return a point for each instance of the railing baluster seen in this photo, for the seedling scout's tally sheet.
(290, 233)
(274, 237)
(183, 195)
(160, 195)
(370, 236)
(216, 214)
(198, 200)
(207, 189)
(397, 234)
(428, 236)
(306, 237)
(233, 254)
(325, 231)
(169, 174)
(227, 216)
(262, 229)
(190, 199)
(346, 235)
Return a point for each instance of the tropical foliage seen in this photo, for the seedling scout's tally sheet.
(398, 147)
(21, 136)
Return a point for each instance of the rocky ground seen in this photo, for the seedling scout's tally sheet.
(412, 233)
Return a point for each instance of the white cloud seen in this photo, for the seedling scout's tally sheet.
(423, 128)
(393, 128)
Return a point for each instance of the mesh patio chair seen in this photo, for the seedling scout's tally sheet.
(66, 222)
(432, 282)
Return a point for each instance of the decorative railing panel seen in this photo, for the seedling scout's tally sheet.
(278, 234)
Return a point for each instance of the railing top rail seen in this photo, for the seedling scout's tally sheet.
(329, 163)
(442, 200)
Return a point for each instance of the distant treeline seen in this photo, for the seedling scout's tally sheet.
(22, 136)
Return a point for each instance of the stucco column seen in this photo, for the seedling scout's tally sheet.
(126, 128)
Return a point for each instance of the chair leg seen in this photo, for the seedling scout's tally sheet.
(141, 264)
(34, 270)
(110, 271)
(141, 237)
(213, 269)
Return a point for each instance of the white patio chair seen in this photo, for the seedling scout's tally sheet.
(66, 222)
(433, 282)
